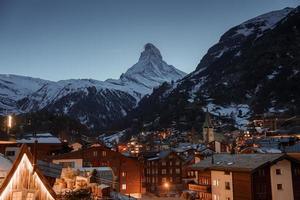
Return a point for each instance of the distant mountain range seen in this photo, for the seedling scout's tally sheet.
(95, 103)
(253, 69)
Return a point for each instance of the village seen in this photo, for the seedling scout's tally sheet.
(260, 162)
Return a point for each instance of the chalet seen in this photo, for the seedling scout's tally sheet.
(128, 170)
(163, 172)
(26, 180)
(247, 177)
(47, 145)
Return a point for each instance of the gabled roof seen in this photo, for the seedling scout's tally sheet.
(25, 151)
(237, 162)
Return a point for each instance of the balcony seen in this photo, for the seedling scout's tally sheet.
(200, 188)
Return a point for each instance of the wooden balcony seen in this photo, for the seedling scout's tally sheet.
(200, 188)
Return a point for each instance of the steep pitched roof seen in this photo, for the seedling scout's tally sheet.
(25, 151)
(237, 162)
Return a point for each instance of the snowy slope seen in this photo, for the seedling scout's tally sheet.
(14, 88)
(112, 97)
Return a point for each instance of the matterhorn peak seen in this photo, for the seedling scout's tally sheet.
(150, 52)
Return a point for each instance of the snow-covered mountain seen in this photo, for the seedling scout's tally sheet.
(253, 69)
(93, 102)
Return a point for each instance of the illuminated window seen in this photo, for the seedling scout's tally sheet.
(103, 153)
(123, 186)
(177, 171)
(177, 163)
(123, 174)
(30, 196)
(163, 180)
(95, 153)
(17, 196)
(215, 182)
(163, 171)
(163, 163)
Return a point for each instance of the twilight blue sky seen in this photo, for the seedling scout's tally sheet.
(100, 39)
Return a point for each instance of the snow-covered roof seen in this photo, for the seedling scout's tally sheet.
(40, 137)
(5, 163)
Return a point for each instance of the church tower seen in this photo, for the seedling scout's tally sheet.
(208, 129)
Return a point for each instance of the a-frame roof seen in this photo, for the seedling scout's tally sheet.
(25, 151)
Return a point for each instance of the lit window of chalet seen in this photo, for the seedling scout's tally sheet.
(103, 153)
(95, 153)
(163, 163)
(177, 163)
(123, 174)
(163, 180)
(177, 171)
(123, 186)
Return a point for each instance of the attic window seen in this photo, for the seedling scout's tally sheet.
(278, 171)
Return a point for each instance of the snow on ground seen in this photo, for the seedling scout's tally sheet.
(239, 112)
(262, 22)
(110, 139)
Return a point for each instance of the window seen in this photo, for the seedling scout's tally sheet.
(103, 153)
(171, 179)
(17, 196)
(67, 164)
(227, 198)
(163, 180)
(170, 163)
(30, 196)
(279, 187)
(227, 185)
(10, 153)
(215, 182)
(123, 174)
(216, 197)
(171, 171)
(177, 171)
(278, 171)
(177, 163)
(95, 153)
(163, 163)
(227, 173)
(123, 186)
(163, 171)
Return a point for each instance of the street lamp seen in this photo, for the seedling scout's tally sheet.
(9, 123)
(167, 186)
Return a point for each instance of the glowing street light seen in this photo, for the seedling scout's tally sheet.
(9, 121)
(166, 185)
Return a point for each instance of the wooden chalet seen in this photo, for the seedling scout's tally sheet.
(25, 180)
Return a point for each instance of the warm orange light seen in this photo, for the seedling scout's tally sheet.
(166, 185)
(9, 121)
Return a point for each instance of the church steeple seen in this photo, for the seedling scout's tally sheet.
(208, 129)
(207, 123)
